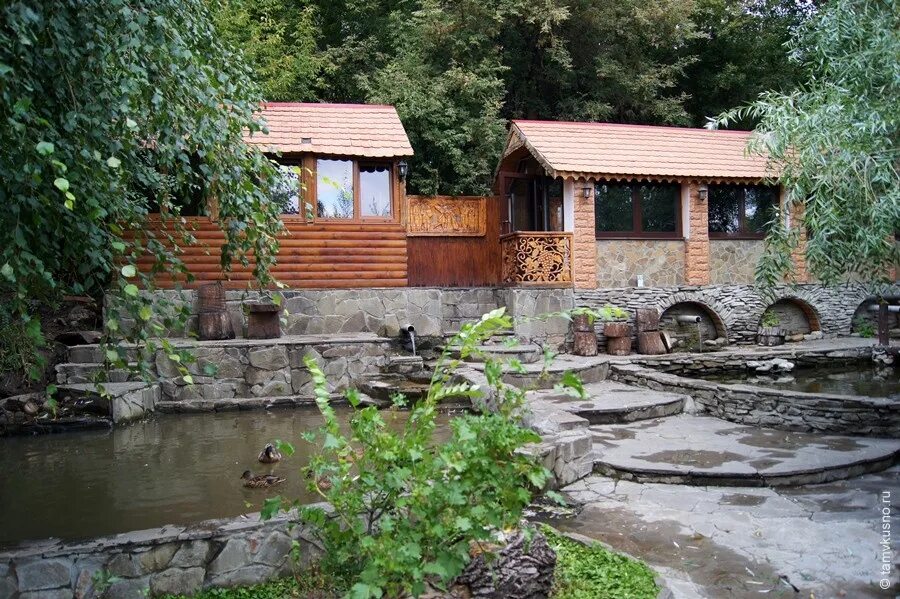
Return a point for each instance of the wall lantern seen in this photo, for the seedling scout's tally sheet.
(402, 169)
(587, 190)
(703, 192)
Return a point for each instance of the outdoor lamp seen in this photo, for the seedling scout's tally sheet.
(402, 169)
(704, 192)
(586, 190)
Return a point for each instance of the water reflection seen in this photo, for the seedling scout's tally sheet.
(168, 470)
(839, 380)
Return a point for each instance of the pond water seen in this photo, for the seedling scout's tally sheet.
(856, 379)
(172, 469)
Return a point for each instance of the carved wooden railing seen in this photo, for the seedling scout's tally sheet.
(536, 258)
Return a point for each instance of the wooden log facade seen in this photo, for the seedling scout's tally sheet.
(312, 255)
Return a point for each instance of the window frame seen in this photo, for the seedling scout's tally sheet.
(309, 195)
(637, 216)
(742, 233)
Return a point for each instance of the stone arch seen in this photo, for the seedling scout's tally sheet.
(865, 320)
(797, 316)
(709, 327)
(719, 317)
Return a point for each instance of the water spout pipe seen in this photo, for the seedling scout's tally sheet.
(685, 319)
(408, 333)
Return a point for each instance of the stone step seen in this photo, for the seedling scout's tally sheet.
(698, 450)
(86, 372)
(609, 402)
(122, 402)
(527, 353)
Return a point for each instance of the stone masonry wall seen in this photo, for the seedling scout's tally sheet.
(659, 261)
(733, 260)
(171, 559)
(584, 240)
(258, 368)
(739, 307)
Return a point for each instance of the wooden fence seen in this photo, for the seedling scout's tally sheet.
(454, 241)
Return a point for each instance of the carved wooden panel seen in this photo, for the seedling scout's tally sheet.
(536, 258)
(447, 216)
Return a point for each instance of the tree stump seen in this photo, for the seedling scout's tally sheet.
(582, 323)
(264, 321)
(646, 320)
(617, 329)
(770, 336)
(214, 325)
(618, 346)
(585, 343)
(651, 343)
(519, 570)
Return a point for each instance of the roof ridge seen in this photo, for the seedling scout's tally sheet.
(629, 125)
(327, 104)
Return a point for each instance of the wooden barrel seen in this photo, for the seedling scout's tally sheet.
(213, 321)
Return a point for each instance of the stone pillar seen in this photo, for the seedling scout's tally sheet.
(696, 243)
(584, 238)
(798, 254)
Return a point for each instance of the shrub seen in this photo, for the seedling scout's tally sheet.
(405, 510)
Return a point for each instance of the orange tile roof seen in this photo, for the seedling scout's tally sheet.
(582, 150)
(337, 129)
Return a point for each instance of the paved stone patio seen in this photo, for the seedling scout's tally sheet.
(817, 541)
(705, 450)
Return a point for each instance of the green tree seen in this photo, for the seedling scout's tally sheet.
(739, 54)
(279, 40)
(835, 141)
(112, 110)
(445, 80)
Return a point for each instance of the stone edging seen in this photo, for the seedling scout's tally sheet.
(170, 559)
(775, 408)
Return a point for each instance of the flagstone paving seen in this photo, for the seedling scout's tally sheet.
(702, 450)
(819, 541)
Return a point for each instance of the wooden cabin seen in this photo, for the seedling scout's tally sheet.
(343, 199)
(600, 205)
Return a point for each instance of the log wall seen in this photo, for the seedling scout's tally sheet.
(312, 255)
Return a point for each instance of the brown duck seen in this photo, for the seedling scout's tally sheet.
(269, 455)
(260, 481)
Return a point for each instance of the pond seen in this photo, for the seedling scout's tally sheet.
(172, 469)
(858, 379)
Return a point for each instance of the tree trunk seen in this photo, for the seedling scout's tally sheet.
(646, 319)
(618, 346)
(585, 343)
(520, 570)
(651, 343)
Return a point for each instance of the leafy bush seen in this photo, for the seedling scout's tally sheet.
(770, 318)
(864, 326)
(403, 509)
(592, 571)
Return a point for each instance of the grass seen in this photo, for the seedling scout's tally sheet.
(582, 572)
(594, 572)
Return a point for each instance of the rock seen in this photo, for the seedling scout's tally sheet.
(191, 554)
(158, 558)
(44, 574)
(269, 358)
(233, 555)
(182, 581)
(522, 569)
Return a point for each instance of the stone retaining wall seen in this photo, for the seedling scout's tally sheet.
(740, 307)
(762, 406)
(171, 559)
(248, 368)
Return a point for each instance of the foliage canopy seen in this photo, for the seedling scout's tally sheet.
(835, 140)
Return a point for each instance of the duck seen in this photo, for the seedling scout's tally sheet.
(260, 481)
(269, 455)
(322, 483)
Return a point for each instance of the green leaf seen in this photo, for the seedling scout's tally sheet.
(113, 162)
(271, 507)
(112, 355)
(145, 312)
(131, 290)
(130, 123)
(128, 271)
(188, 379)
(44, 148)
(61, 184)
(7, 272)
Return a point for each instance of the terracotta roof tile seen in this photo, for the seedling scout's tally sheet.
(338, 129)
(586, 149)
